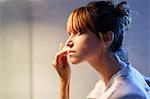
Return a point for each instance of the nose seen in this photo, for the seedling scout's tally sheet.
(69, 42)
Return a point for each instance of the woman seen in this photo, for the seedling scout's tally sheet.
(95, 35)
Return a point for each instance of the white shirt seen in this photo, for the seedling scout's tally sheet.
(127, 83)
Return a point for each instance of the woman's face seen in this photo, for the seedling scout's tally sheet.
(83, 46)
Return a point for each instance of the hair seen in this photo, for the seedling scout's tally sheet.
(101, 17)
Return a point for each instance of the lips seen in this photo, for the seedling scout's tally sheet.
(70, 52)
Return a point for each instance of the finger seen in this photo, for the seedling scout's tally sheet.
(60, 46)
(63, 50)
(57, 65)
(54, 64)
(60, 55)
(65, 62)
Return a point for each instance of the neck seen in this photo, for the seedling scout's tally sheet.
(106, 66)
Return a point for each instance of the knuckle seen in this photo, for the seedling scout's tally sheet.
(57, 54)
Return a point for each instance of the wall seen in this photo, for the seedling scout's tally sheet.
(30, 33)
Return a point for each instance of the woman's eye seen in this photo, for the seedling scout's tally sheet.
(77, 34)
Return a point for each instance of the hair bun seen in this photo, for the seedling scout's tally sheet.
(123, 14)
(122, 9)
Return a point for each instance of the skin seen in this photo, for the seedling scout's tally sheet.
(86, 47)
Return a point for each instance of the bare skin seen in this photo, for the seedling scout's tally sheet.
(62, 67)
(85, 47)
(103, 61)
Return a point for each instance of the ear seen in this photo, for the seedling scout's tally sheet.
(108, 38)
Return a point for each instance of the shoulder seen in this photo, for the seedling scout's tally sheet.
(129, 89)
(129, 92)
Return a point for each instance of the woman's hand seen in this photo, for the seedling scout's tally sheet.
(61, 64)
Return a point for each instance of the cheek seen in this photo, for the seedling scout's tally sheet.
(88, 48)
(92, 49)
(91, 46)
(85, 49)
(80, 54)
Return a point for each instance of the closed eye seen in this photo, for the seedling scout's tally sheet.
(78, 33)
(75, 33)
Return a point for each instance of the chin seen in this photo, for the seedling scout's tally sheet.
(75, 61)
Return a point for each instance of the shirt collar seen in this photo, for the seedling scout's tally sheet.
(123, 72)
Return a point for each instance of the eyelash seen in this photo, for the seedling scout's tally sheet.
(76, 34)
